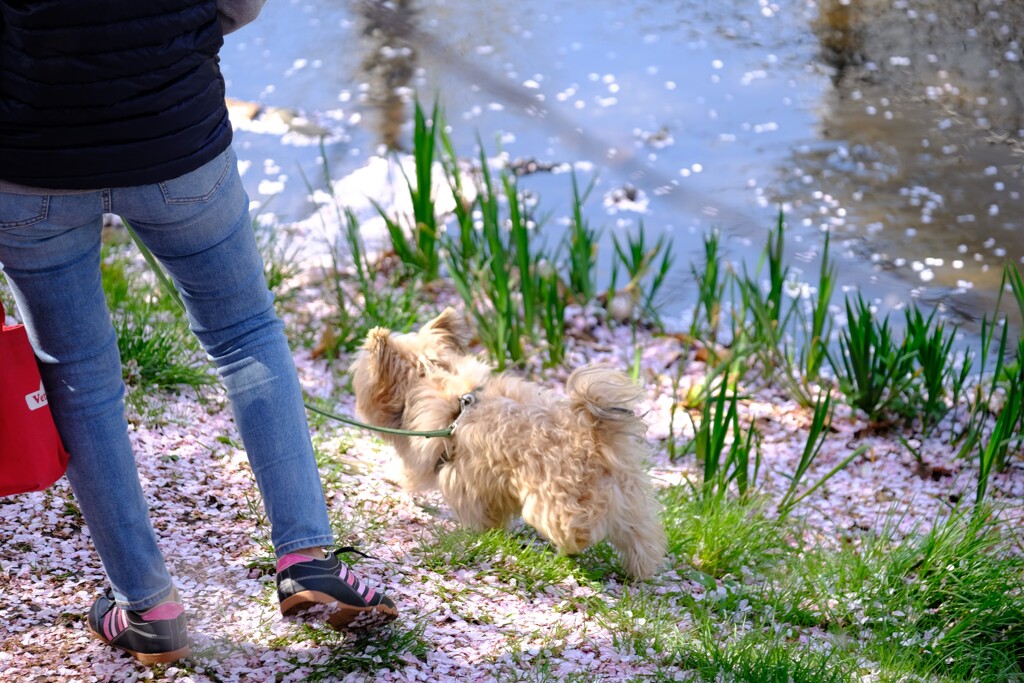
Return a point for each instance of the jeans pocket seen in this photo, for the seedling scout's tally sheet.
(199, 185)
(22, 210)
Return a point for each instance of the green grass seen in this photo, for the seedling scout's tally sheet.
(942, 604)
(366, 651)
(711, 537)
(756, 656)
(744, 597)
(640, 622)
(540, 669)
(158, 351)
(711, 541)
(7, 299)
(945, 601)
(518, 562)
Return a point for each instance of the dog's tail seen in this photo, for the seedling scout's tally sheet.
(608, 398)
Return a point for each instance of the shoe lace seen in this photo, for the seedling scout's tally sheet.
(350, 549)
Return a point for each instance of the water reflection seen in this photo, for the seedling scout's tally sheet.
(893, 123)
(839, 28)
(919, 158)
(389, 64)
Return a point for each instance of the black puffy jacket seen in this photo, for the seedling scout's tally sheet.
(109, 93)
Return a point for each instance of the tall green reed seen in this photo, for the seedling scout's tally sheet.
(364, 289)
(581, 246)
(1007, 430)
(510, 286)
(873, 370)
(711, 283)
(997, 398)
(728, 455)
(817, 434)
(418, 245)
(983, 390)
(646, 274)
(931, 345)
(485, 269)
(365, 293)
(819, 328)
(673, 448)
(552, 313)
(767, 322)
(763, 323)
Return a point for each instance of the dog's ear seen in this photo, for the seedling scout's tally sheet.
(387, 363)
(451, 330)
(380, 375)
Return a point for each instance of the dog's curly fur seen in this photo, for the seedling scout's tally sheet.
(572, 466)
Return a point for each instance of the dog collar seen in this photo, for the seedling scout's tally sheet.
(465, 401)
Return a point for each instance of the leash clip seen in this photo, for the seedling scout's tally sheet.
(465, 401)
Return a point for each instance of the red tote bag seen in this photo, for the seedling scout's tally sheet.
(32, 457)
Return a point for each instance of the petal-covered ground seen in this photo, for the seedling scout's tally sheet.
(462, 625)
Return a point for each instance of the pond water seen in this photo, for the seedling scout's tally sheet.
(894, 124)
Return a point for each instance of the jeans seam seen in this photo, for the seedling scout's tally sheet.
(196, 199)
(44, 213)
(314, 542)
(149, 602)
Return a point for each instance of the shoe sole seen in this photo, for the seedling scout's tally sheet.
(344, 617)
(149, 658)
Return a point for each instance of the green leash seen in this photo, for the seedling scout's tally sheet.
(387, 430)
(168, 286)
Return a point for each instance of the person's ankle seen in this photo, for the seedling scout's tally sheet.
(168, 608)
(315, 553)
(297, 556)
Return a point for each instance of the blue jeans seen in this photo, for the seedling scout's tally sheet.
(198, 226)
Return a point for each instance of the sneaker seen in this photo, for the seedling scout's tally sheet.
(303, 582)
(156, 636)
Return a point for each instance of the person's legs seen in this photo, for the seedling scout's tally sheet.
(198, 226)
(50, 254)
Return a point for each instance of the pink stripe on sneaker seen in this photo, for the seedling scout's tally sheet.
(165, 610)
(108, 631)
(290, 559)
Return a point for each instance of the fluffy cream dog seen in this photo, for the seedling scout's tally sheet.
(572, 466)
